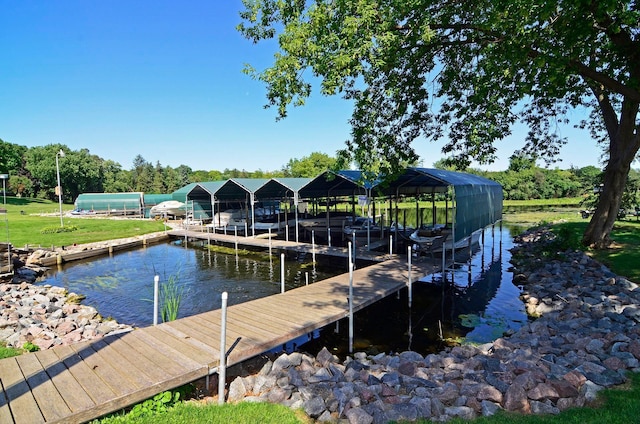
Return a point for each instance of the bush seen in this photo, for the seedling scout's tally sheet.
(54, 230)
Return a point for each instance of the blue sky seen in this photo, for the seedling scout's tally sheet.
(163, 79)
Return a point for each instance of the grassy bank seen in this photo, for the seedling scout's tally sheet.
(36, 222)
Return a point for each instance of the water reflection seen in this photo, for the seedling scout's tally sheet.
(121, 286)
(478, 302)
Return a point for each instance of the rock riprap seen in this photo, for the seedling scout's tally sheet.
(583, 337)
(47, 316)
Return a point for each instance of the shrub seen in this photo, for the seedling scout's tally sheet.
(54, 230)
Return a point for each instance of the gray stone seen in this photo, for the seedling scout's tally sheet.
(325, 417)
(237, 390)
(314, 407)
(358, 416)
(263, 383)
(515, 399)
(423, 406)
(402, 412)
(489, 408)
(322, 374)
(543, 408)
(278, 394)
(281, 362)
(590, 391)
(463, 412)
(489, 393)
(324, 357)
(410, 356)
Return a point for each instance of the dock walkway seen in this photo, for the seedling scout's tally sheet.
(80, 382)
(277, 244)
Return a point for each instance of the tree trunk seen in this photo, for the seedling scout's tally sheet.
(601, 224)
(623, 147)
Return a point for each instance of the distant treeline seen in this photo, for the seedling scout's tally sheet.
(32, 173)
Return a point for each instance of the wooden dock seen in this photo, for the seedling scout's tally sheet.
(278, 244)
(80, 382)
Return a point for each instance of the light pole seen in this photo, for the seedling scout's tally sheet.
(61, 154)
(4, 186)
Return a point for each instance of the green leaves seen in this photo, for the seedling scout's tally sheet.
(463, 71)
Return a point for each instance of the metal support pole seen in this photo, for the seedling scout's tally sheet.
(313, 246)
(222, 367)
(350, 301)
(329, 236)
(391, 243)
(282, 273)
(60, 153)
(354, 248)
(269, 241)
(156, 289)
(306, 278)
(410, 287)
(235, 230)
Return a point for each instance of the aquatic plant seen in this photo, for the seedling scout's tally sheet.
(171, 295)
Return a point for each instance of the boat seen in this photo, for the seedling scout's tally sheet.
(229, 220)
(425, 238)
(272, 219)
(168, 208)
(364, 230)
(321, 225)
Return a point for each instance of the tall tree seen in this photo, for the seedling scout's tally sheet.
(11, 157)
(309, 166)
(465, 71)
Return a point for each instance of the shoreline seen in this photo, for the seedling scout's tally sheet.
(47, 316)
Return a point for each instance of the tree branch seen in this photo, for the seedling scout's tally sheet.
(605, 80)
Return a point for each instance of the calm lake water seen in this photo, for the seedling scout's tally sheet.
(121, 286)
(478, 302)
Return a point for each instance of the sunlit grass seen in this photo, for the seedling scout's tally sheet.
(24, 223)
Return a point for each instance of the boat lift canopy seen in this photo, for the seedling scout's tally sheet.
(478, 201)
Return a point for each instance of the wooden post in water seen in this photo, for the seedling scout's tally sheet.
(306, 278)
(313, 246)
(282, 273)
(156, 289)
(269, 241)
(329, 236)
(410, 288)
(222, 366)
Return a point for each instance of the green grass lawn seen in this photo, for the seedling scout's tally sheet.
(27, 221)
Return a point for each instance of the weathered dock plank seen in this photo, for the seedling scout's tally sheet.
(24, 408)
(50, 402)
(5, 411)
(90, 381)
(76, 398)
(120, 376)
